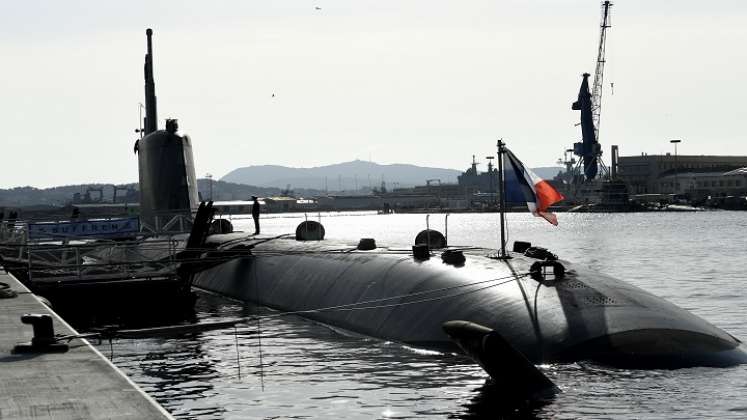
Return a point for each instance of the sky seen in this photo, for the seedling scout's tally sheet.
(408, 81)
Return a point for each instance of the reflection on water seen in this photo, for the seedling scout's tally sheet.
(487, 402)
(311, 371)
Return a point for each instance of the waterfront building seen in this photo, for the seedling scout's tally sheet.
(683, 174)
(700, 185)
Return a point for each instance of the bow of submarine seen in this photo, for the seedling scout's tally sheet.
(584, 316)
(637, 329)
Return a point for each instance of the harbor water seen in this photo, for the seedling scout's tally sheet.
(300, 369)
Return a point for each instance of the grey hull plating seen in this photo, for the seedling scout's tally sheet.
(586, 315)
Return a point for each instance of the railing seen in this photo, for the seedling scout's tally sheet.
(139, 259)
(94, 261)
(23, 231)
(73, 250)
(167, 223)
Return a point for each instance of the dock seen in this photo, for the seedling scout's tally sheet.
(80, 383)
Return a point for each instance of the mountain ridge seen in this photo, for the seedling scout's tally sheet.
(340, 176)
(351, 175)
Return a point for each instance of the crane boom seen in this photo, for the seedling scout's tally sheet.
(596, 93)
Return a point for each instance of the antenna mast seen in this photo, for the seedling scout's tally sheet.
(596, 93)
(151, 120)
(502, 199)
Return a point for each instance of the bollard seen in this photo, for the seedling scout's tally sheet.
(44, 339)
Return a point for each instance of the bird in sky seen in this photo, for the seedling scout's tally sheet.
(317, 8)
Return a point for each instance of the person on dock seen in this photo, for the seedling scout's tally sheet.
(255, 214)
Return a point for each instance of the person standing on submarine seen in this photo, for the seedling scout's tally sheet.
(255, 214)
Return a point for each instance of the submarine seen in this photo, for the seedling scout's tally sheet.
(432, 296)
(393, 295)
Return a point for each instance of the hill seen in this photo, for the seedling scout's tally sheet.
(54, 196)
(340, 176)
(348, 176)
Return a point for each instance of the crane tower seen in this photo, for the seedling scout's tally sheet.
(590, 104)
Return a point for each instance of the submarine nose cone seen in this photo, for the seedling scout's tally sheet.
(663, 349)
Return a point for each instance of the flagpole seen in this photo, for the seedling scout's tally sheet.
(502, 197)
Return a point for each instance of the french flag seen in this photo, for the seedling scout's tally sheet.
(538, 193)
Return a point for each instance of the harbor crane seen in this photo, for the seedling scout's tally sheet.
(590, 104)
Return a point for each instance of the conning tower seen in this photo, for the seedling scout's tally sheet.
(168, 185)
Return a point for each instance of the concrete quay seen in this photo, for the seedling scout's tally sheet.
(78, 384)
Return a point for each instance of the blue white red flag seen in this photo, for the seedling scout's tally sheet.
(538, 193)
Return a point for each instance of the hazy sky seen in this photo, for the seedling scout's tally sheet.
(423, 82)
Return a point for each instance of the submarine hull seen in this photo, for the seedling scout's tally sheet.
(584, 315)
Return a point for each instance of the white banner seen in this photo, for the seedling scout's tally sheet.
(106, 228)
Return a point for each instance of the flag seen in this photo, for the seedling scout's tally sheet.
(537, 192)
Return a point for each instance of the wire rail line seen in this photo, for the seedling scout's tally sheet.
(355, 306)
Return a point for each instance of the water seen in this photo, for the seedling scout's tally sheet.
(694, 260)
